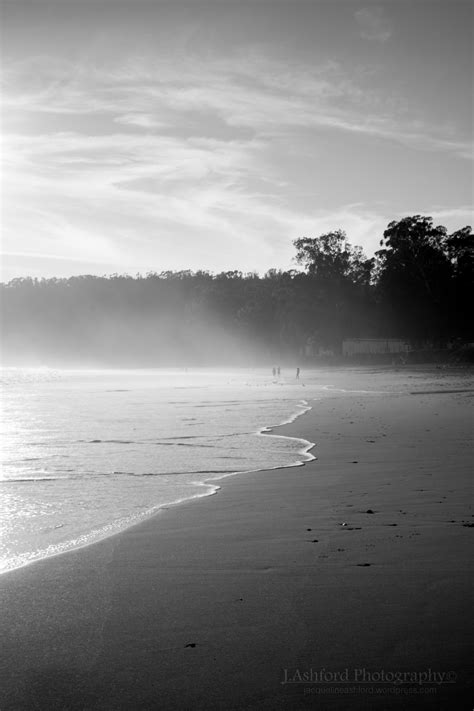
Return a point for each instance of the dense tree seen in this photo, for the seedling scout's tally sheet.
(460, 251)
(339, 285)
(420, 285)
(331, 258)
(418, 272)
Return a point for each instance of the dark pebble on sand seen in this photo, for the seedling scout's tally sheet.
(363, 565)
(191, 644)
(369, 511)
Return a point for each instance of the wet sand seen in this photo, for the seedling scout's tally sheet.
(357, 560)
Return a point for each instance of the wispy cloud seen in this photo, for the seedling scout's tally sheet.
(463, 215)
(169, 162)
(141, 120)
(373, 23)
(105, 200)
(253, 94)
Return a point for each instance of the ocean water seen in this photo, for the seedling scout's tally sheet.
(87, 453)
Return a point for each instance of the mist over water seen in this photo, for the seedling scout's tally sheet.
(178, 319)
(86, 453)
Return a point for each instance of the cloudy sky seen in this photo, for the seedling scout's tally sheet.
(143, 136)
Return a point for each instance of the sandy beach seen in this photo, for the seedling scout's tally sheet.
(342, 584)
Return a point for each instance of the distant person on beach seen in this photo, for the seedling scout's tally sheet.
(278, 371)
(297, 374)
(274, 371)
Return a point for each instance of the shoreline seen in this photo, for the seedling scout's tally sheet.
(207, 605)
(118, 527)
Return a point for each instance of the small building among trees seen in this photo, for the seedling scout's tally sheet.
(374, 346)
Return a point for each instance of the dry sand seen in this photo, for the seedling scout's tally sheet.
(207, 604)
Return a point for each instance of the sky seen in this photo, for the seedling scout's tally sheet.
(151, 136)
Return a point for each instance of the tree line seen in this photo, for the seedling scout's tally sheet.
(418, 286)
